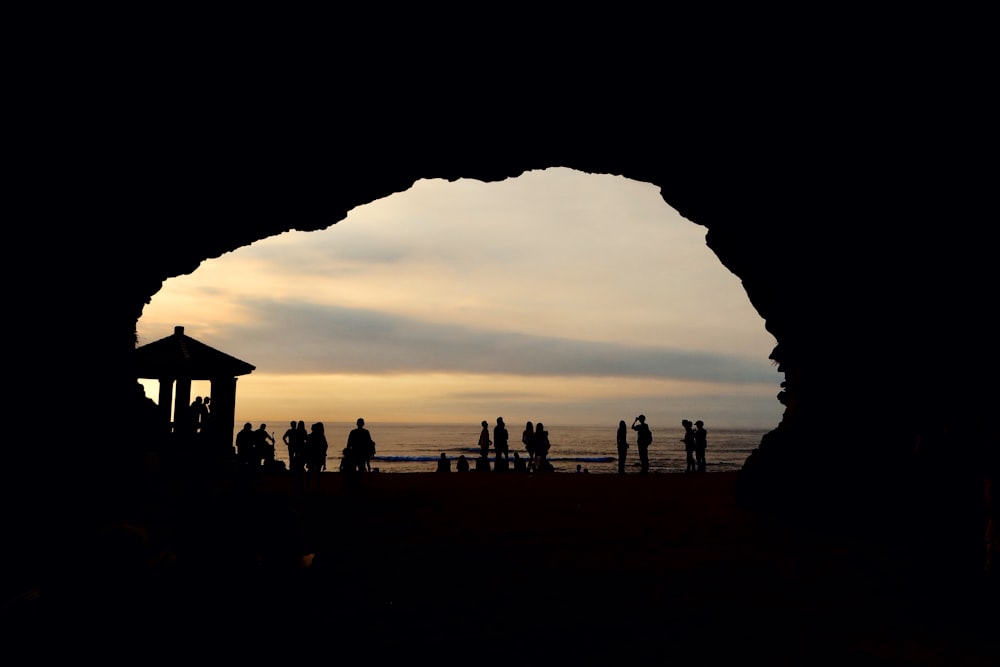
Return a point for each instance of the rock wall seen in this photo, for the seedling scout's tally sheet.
(864, 242)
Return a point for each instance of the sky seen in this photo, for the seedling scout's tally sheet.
(556, 296)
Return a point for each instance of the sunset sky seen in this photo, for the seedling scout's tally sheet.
(556, 296)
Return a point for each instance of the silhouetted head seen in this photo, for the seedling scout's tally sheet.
(699, 423)
(641, 418)
(499, 420)
(621, 424)
(247, 426)
(485, 423)
(443, 456)
(539, 427)
(361, 422)
(685, 422)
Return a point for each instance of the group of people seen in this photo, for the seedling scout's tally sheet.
(644, 438)
(255, 447)
(307, 450)
(534, 438)
(536, 445)
(695, 443)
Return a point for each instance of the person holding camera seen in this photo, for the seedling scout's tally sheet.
(644, 437)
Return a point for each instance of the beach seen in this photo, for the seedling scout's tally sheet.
(404, 447)
(504, 567)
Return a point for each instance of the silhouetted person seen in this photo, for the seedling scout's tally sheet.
(519, 465)
(528, 440)
(360, 446)
(296, 440)
(484, 440)
(368, 454)
(443, 464)
(688, 441)
(622, 445)
(246, 451)
(198, 414)
(265, 446)
(462, 465)
(541, 441)
(316, 449)
(501, 439)
(206, 425)
(700, 445)
(644, 437)
(286, 438)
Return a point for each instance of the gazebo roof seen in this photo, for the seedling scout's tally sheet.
(179, 356)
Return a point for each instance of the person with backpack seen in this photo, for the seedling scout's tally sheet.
(644, 438)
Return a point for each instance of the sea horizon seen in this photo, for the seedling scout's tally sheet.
(416, 447)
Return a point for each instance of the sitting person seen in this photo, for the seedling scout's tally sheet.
(443, 464)
(463, 463)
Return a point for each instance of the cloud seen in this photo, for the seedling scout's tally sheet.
(302, 337)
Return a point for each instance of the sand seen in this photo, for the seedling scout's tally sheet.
(501, 568)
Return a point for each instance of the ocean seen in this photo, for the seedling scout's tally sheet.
(402, 448)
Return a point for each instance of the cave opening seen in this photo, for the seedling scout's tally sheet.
(583, 297)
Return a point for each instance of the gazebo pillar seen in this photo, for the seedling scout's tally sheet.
(165, 400)
(182, 406)
(223, 415)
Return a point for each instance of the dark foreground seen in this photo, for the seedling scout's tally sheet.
(503, 568)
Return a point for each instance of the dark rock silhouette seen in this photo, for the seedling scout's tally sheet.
(863, 241)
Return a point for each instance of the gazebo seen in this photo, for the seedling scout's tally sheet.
(180, 359)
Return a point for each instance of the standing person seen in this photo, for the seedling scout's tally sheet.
(501, 439)
(528, 440)
(643, 439)
(444, 465)
(484, 440)
(541, 441)
(246, 455)
(206, 416)
(286, 438)
(688, 441)
(265, 446)
(198, 413)
(622, 445)
(297, 441)
(360, 447)
(700, 445)
(316, 447)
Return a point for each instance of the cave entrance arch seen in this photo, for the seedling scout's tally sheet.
(622, 314)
